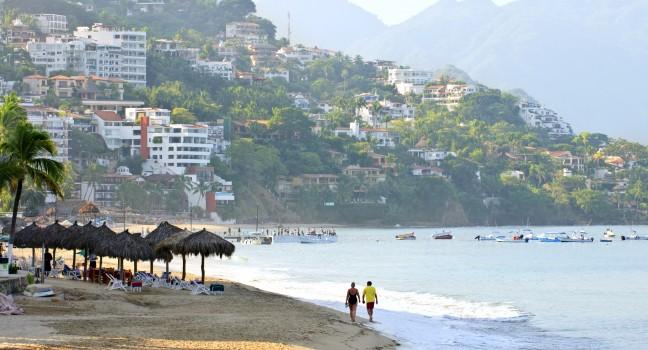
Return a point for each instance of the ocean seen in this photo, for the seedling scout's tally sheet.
(463, 293)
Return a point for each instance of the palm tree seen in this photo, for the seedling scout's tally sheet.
(201, 190)
(11, 113)
(23, 156)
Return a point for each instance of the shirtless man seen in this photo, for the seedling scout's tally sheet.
(371, 297)
(352, 301)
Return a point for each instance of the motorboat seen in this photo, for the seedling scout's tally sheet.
(609, 233)
(634, 237)
(256, 238)
(577, 237)
(286, 238)
(491, 237)
(410, 236)
(552, 237)
(512, 240)
(528, 233)
(443, 235)
(313, 238)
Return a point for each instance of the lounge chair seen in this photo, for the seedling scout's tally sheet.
(199, 288)
(217, 288)
(115, 283)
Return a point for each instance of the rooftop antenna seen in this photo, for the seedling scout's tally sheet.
(289, 30)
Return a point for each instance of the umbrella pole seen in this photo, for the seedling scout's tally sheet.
(33, 257)
(202, 267)
(151, 266)
(85, 264)
(184, 265)
(167, 266)
(73, 258)
(54, 256)
(134, 267)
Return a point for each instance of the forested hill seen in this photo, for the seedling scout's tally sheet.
(486, 166)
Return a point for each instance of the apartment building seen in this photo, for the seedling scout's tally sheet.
(381, 137)
(132, 45)
(57, 126)
(447, 94)
(35, 85)
(538, 116)
(48, 23)
(55, 54)
(248, 32)
(222, 69)
(408, 80)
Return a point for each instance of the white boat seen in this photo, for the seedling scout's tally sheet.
(283, 238)
(491, 237)
(410, 236)
(318, 238)
(552, 237)
(507, 240)
(609, 233)
(577, 237)
(634, 237)
(256, 238)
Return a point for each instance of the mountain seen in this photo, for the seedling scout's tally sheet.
(331, 24)
(583, 58)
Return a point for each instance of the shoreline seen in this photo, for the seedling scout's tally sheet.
(245, 317)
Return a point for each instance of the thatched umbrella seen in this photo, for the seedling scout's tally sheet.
(80, 237)
(126, 246)
(26, 237)
(53, 235)
(67, 241)
(101, 235)
(89, 210)
(205, 243)
(162, 232)
(168, 247)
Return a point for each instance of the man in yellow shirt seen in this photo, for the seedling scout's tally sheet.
(371, 297)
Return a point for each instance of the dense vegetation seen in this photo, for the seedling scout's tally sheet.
(485, 132)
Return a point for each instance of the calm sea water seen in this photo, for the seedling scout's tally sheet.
(466, 294)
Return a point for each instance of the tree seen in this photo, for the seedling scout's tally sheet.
(181, 115)
(24, 153)
(11, 113)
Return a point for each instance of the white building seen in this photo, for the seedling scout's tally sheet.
(380, 136)
(277, 73)
(223, 69)
(389, 111)
(51, 23)
(57, 55)
(447, 94)
(132, 44)
(58, 128)
(248, 32)
(431, 156)
(167, 148)
(302, 55)
(409, 81)
(538, 116)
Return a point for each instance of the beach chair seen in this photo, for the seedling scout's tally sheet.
(199, 288)
(71, 274)
(115, 283)
(179, 284)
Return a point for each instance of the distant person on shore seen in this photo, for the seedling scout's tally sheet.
(370, 296)
(352, 301)
(48, 261)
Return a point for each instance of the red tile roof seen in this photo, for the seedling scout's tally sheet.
(108, 116)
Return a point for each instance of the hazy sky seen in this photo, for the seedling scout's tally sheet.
(397, 11)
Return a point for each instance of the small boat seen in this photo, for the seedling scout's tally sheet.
(577, 237)
(607, 240)
(634, 237)
(513, 240)
(552, 237)
(491, 237)
(312, 238)
(410, 236)
(443, 235)
(256, 238)
(528, 233)
(609, 233)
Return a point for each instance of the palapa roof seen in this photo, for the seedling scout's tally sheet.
(25, 237)
(166, 248)
(78, 237)
(125, 245)
(89, 208)
(162, 232)
(205, 243)
(53, 234)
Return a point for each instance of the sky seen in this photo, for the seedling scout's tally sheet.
(396, 11)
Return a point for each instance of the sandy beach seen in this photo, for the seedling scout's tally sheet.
(87, 316)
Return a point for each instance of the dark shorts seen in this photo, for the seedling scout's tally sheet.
(370, 305)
